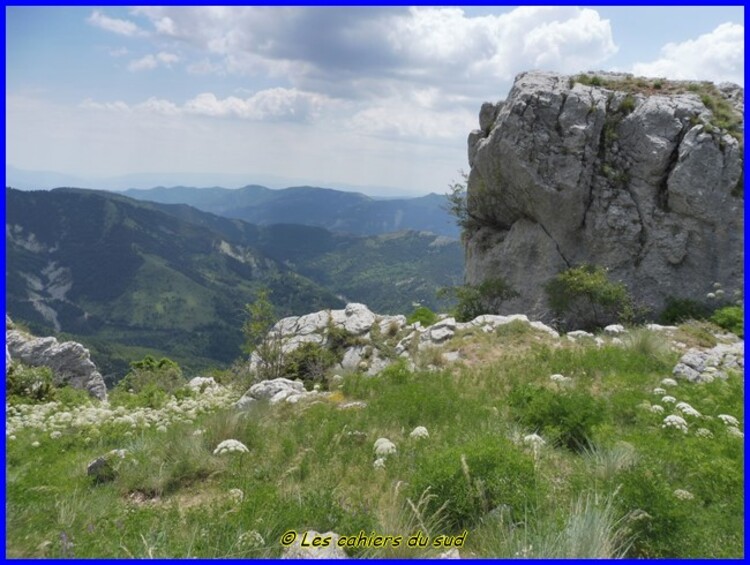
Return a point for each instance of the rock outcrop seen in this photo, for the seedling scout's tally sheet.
(373, 341)
(645, 182)
(70, 361)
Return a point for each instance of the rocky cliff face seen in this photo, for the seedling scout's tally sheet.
(70, 361)
(642, 178)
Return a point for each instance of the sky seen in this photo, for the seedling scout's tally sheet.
(373, 99)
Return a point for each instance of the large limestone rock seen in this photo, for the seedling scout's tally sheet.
(645, 185)
(70, 361)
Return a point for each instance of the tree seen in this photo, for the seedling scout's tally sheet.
(458, 205)
(260, 341)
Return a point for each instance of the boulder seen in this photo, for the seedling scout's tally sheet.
(275, 391)
(202, 384)
(104, 469)
(358, 319)
(69, 361)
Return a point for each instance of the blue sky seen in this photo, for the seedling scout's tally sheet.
(382, 98)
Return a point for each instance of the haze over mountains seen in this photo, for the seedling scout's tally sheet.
(347, 212)
(26, 179)
(127, 277)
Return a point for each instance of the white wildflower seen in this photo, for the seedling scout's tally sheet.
(250, 540)
(55, 435)
(198, 432)
(735, 432)
(728, 420)
(688, 410)
(720, 292)
(674, 421)
(659, 390)
(668, 399)
(230, 446)
(711, 295)
(668, 382)
(162, 428)
(236, 495)
(717, 285)
(534, 440)
(379, 463)
(703, 432)
(526, 551)
(683, 494)
(419, 432)
(384, 446)
(657, 409)
(35, 444)
(12, 437)
(558, 378)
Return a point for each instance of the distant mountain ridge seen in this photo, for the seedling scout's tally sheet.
(336, 210)
(128, 277)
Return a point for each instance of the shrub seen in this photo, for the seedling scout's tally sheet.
(164, 375)
(627, 105)
(473, 301)
(583, 296)
(423, 315)
(69, 396)
(679, 310)
(730, 318)
(29, 384)
(150, 396)
(309, 362)
(656, 518)
(567, 418)
(474, 479)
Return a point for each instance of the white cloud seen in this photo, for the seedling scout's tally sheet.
(404, 72)
(337, 45)
(119, 52)
(716, 56)
(274, 104)
(150, 61)
(117, 106)
(120, 27)
(396, 118)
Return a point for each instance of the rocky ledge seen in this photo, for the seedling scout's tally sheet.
(69, 361)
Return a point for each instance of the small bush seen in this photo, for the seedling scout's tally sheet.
(70, 397)
(627, 105)
(730, 318)
(475, 478)
(29, 384)
(656, 518)
(163, 374)
(473, 301)
(423, 315)
(150, 396)
(567, 418)
(680, 310)
(309, 362)
(584, 297)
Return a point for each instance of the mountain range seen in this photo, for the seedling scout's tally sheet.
(129, 277)
(335, 210)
